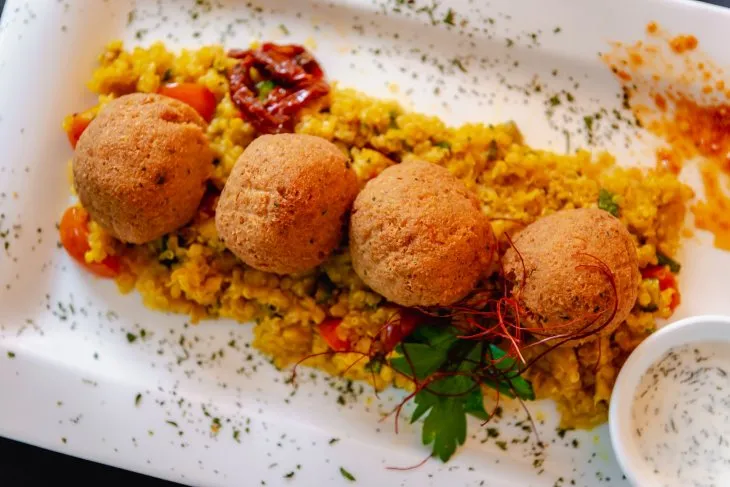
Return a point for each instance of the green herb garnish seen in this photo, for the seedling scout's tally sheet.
(462, 367)
(131, 337)
(457, 62)
(138, 399)
(492, 151)
(449, 19)
(393, 124)
(673, 265)
(347, 474)
(264, 88)
(588, 122)
(374, 365)
(606, 202)
(443, 144)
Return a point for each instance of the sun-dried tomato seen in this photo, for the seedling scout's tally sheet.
(297, 80)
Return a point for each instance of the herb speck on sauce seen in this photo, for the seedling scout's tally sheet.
(131, 337)
(138, 399)
(11, 354)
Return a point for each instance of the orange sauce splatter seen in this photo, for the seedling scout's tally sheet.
(671, 74)
(623, 74)
(702, 130)
(713, 214)
(683, 43)
(636, 59)
(668, 160)
(660, 101)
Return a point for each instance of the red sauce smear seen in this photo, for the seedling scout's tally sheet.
(271, 84)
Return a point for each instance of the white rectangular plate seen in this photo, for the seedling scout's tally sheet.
(70, 380)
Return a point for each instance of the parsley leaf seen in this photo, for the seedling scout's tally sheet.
(445, 427)
(508, 365)
(446, 400)
(606, 202)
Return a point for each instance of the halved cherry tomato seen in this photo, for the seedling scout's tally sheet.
(74, 230)
(328, 330)
(197, 96)
(76, 128)
(666, 280)
(397, 331)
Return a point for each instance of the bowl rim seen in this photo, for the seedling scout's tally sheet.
(702, 328)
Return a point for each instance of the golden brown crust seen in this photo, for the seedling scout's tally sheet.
(285, 202)
(140, 167)
(563, 292)
(418, 236)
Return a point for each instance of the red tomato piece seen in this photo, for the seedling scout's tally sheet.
(676, 299)
(397, 331)
(74, 230)
(328, 330)
(197, 96)
(662, 274)
(666, 279)
(77, 127)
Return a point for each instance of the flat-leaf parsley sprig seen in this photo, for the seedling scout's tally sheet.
(448, 373)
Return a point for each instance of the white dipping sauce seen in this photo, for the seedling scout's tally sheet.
(681, 416)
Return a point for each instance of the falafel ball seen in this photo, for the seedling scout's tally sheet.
(560, 274)
(285, 202)
(419, 237)
(140, 167)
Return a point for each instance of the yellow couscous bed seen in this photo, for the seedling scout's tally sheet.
(190, 271)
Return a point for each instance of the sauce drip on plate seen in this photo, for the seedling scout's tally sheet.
(681, 95)
(681, 416)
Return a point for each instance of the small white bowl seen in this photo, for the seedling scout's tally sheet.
(689, 330)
